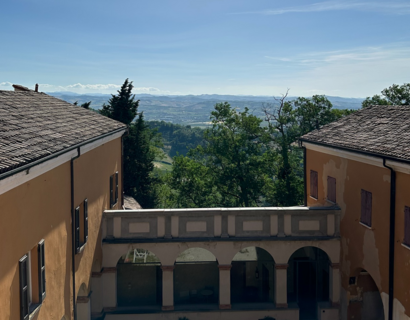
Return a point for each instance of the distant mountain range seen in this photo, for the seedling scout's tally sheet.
(192, 109)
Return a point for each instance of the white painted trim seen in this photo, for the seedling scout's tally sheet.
(22, 177)
(97, 143)
(345, 154)
(399, 166)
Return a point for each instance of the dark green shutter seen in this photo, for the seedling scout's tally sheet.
(41, 271)
(77, 229)
(23, 265)
(116, 187)
(85, 220)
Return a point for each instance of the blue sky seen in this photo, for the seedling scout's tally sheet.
(253, 47)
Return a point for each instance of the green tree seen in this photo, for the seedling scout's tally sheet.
(139, 150)
(85, 105)
(393, 95)
(287, 122)
(230, 169)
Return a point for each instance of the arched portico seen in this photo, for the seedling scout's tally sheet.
(139, 279)
(223, 253)
(196, 277)
(308, 280)
(252, 276)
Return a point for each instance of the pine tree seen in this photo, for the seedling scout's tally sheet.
(138, 152)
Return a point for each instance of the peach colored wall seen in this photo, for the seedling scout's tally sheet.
(92, 181)
(402, 254)
(38, 209)
(41, 209)
(362, 247)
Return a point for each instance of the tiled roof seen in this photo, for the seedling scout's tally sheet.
(34, 125)
(380, 130)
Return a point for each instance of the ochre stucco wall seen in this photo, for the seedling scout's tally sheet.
(402, 254)
(362, 247)
(41, 209)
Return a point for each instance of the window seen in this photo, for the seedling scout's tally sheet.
(81, 226)
(406, 226)
(313, 184)
(366, 208)
(114, 193)
(32, 271)
(331, 189)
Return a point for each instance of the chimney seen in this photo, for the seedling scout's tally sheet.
(18, 87)
(36, 89)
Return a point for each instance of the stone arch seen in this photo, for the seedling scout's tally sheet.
(139, 279)
(252, 276)
(331, 248)
(196, 277)
(366, 297)
(308, 279)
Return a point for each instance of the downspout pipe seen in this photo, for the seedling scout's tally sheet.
(304, 174)
(122, 167)
(392, 232)
(73, 228)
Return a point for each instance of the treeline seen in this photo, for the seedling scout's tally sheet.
(179, 138)
(236, 162)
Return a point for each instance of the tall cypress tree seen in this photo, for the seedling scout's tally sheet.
(138, 154)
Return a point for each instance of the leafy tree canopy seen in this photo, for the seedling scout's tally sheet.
(393, 95)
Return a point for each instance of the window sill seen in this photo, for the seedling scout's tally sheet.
(313, 198)
(114, 204)
(34, 309)
(406, 245)
(366, 226)
(81, 248)
(330, 201)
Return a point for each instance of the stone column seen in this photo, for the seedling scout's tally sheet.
(281, 285)
(334, 284)
(83, 308)
(109, 287)
(167, 288)
(225, 286)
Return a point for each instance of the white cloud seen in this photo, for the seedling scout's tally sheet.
(5, 84)
(357, 72)
(386, 7)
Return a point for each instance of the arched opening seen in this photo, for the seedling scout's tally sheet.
(252, 276)
(139, 279)
(196, 278)
(365, 302)
(308, 280)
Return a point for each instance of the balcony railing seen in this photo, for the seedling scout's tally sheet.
(222, 223)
